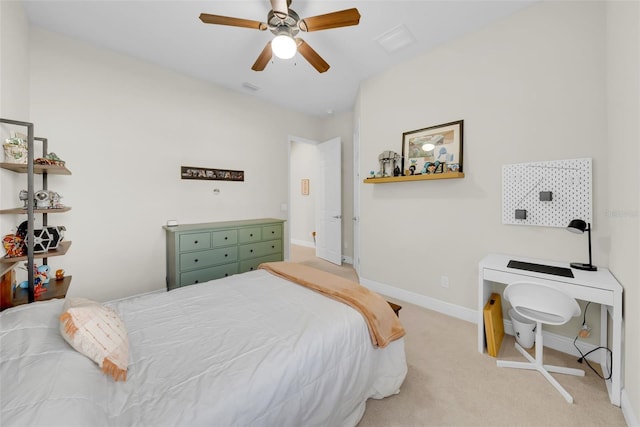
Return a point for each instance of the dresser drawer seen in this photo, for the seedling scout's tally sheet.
(248, 235)
(195, 241)
(252, 264)
(206, 274)
(191, 260)
(272, 232)
(224, 238)
(197, 253)
(254, 250)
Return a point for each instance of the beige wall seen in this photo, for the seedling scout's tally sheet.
(531, 87)
(125, 127)
(623, 110)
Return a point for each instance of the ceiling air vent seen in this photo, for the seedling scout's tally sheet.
(251, 87)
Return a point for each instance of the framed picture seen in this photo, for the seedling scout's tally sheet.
(436, 149)
(305, 187)
(191, 172)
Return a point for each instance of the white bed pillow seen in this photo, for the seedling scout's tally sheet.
(97, 332)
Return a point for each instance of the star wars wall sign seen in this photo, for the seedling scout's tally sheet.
(191, 172)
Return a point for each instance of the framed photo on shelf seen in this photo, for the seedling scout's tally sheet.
(431, 150)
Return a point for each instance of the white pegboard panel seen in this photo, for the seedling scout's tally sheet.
(569, 182)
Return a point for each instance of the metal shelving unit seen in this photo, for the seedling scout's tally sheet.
(31, 169)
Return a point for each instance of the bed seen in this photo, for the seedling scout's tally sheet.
(252, 349)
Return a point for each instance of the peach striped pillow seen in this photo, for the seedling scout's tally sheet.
(97, 332)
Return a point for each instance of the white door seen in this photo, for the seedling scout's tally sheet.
(329, 202)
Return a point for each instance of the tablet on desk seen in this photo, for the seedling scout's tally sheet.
(541, 268)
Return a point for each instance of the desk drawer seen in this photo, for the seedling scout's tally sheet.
(195, 241)
(259, 249)
(206, 274)
(201, 259)
(224, 238)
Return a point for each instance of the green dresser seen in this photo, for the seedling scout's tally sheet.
(198, 253)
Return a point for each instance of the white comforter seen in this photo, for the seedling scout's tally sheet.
(251, 349)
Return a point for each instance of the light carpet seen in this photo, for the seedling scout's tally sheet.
(450, 384)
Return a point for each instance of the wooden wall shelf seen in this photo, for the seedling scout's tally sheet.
(447, 175)
(55, 289)
(19, 211)
(37, 169)
(61, 250)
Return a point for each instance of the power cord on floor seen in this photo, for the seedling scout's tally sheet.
(584, 355)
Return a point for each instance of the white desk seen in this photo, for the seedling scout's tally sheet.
(595, 286)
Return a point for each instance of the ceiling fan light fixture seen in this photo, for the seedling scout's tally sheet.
(283, 46)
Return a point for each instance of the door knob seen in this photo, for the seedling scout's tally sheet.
(337, 216)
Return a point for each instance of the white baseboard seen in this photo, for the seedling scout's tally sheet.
(347, 259)
(627, 410)
(303, 243)
(421, 300)
(551, 340)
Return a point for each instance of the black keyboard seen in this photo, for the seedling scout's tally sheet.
(541, 268)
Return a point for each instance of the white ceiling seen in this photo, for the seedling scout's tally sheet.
(169, 33)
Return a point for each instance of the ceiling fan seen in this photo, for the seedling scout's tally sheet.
(286, 24)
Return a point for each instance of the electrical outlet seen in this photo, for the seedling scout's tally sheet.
(585, 331)
(444, 281)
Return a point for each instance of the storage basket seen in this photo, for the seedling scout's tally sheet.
(15, 153)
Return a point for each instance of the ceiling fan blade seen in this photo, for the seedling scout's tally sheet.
(343, 18)
(280, 8)
(263, 59)
(233, 22)
(312, 56)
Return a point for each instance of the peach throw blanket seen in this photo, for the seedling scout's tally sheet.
(384, 325)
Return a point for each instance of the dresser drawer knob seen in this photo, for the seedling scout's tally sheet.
(196, 281)
(226, 274)
(251, 235)
(195, 243)
(251, 250)
(226, 238)
(251, 268)
(273, 246)
(226, 255)
(273, 232)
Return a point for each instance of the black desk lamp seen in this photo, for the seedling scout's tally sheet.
(579, 226)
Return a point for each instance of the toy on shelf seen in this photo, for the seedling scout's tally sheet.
(14, 246)
(43, 199)
(50, 159)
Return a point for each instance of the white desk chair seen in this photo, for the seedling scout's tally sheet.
(542, 304)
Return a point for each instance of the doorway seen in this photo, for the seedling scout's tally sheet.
(315, 196)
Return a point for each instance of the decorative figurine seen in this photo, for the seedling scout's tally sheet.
(42, 199)
(42, 273)
(435, 167)
(388, 161)
(14, 245)
(59, 274)
(24, 196)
